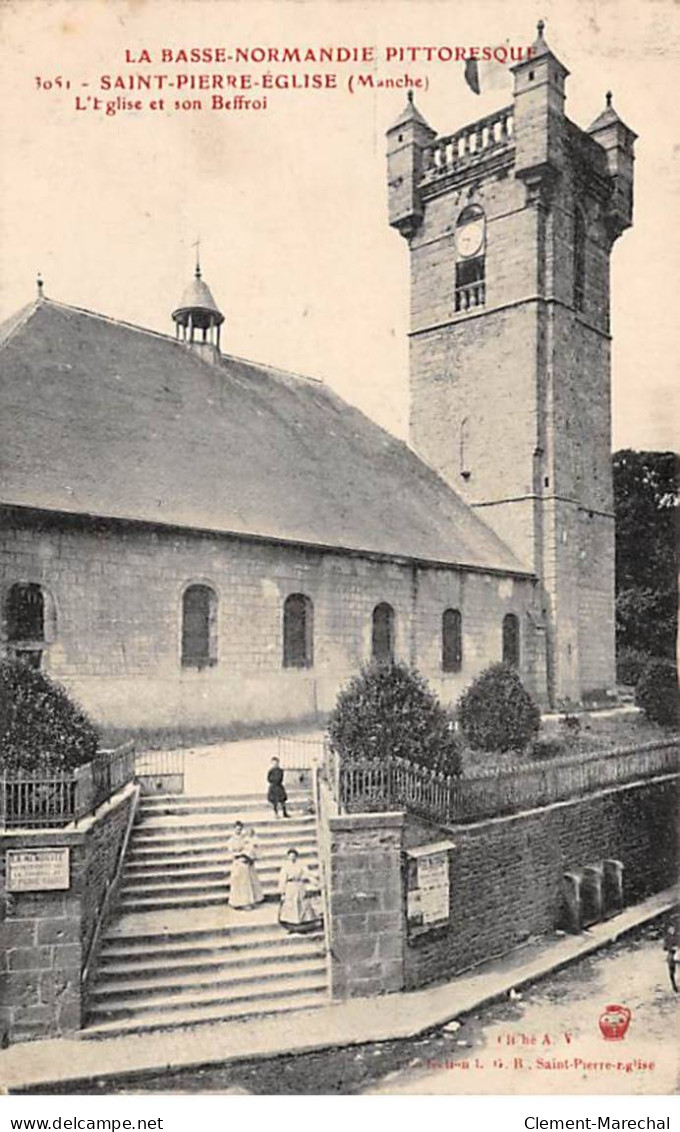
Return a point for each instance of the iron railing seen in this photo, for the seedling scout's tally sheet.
(54, 798)
(297, 752)
(156, 764)
(397, 784)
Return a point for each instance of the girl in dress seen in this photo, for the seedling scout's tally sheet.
(244, 884)
(297, 912)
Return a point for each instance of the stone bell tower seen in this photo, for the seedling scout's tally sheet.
(510, 223)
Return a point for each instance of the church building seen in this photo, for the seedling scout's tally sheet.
(190, 539)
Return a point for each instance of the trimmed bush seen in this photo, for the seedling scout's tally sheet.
(390, 710)
(656, 693)
(496, 713)
(40, 726)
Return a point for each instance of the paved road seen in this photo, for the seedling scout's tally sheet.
(547, 1041)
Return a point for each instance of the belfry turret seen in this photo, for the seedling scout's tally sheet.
(407, 143)
(198, 318)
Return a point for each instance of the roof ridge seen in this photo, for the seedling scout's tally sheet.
(110, 319)
(9, 326)
(33, 306)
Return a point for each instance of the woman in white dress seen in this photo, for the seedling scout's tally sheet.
(252, 854)
(245, 890)
(297, 912)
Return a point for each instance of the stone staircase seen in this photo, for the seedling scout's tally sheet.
(173, 953)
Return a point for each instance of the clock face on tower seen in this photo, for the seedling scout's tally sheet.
(470, 238)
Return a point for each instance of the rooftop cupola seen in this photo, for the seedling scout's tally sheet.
(198, 318)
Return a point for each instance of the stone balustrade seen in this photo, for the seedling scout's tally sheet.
(470, 143)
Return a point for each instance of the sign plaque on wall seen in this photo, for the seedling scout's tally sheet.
(37, 870)
(428, 891)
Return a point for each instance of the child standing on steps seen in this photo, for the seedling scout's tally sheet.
(276, 794)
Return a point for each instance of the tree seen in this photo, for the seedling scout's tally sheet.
(389, 710)
(496, 712)
(657, 693)
(40, 726)
(645, 501)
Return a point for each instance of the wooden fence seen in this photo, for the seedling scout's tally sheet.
(397, 784)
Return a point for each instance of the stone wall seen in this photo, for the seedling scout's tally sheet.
(506, 873)
(361, 859)
(116, 592)
(45, 936)
(506, 880)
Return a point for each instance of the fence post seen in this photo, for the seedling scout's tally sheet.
(84, 792)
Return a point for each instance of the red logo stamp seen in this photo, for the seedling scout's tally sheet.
(614, 1022)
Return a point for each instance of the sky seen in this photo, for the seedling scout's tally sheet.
(290, 203)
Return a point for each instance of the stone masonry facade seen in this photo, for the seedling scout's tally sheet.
(511, 394)
(45, 936)
(115, 592)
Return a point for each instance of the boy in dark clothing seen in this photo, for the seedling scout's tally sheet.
(276, 794)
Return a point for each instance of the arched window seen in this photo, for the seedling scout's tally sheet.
(298, 632)
(511, 640)
(452, 640)
(25, 619)
(199, 627)
(470, 258)
(579, 259)
(382, 636)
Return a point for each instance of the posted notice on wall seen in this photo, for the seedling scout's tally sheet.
(37, 870)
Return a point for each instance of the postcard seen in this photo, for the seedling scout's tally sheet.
(339, 752)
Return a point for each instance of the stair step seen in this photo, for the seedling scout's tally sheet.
(296, 797)
(219, 861)
(154, 965)
(214, 843)
(171, 825)
(180, 886)
(128, 1005)
(182, 849)
(241, 936)
(157, 971)
(202, 1016)
(167, 904)
(163, 858)
(112, 991)
(217, 871)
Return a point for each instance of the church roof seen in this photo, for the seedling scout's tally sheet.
(101, 418)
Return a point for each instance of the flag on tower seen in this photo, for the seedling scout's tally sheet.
(483, 75)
